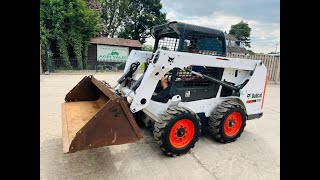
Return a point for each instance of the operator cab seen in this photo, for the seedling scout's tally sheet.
(178, 36)
(182, 37)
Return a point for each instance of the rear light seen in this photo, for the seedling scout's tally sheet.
(264, 91)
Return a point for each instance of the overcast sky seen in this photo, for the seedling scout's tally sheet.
(263, 17)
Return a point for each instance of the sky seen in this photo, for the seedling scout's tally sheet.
(263, 17)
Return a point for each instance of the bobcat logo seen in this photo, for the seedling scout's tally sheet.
(254, 95)
(114, 53)
(170, 60)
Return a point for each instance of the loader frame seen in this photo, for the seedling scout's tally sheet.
(252, 71)
(241, 80)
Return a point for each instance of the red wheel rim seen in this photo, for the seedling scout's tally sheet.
(181, 133)
(233, 123)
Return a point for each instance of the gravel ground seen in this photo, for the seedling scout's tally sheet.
(255, 155)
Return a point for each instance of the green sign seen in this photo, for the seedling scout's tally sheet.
(112, 53)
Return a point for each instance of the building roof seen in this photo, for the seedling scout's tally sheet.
(116, 42)
(230, 37)
(236, 49)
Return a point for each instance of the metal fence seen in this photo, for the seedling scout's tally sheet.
(56, 65)
(272, 64)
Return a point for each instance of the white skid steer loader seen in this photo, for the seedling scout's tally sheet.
(188, 85)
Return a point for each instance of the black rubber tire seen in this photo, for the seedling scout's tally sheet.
(163, 127)
(218, 118)
(139, 116)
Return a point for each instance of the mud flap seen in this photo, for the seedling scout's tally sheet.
(95, 116)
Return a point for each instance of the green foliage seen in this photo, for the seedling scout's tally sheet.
(242, 32)
(66, 26)
(85, 53)
(147, 48)
(142, 66)
(44, 34)
(121, 65)
(46, 62)
(251, 52)
(141, 16)
(68, 23)
(113, 13)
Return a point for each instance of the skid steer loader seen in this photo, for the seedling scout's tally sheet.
(205, 90)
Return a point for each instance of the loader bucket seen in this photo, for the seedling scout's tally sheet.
(94, 116)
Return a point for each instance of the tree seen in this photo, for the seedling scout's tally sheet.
(65, 25)
(242, 32)
(141, 16)
(113, 12)
(251, 52)
(273, 52)
(45, 34)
